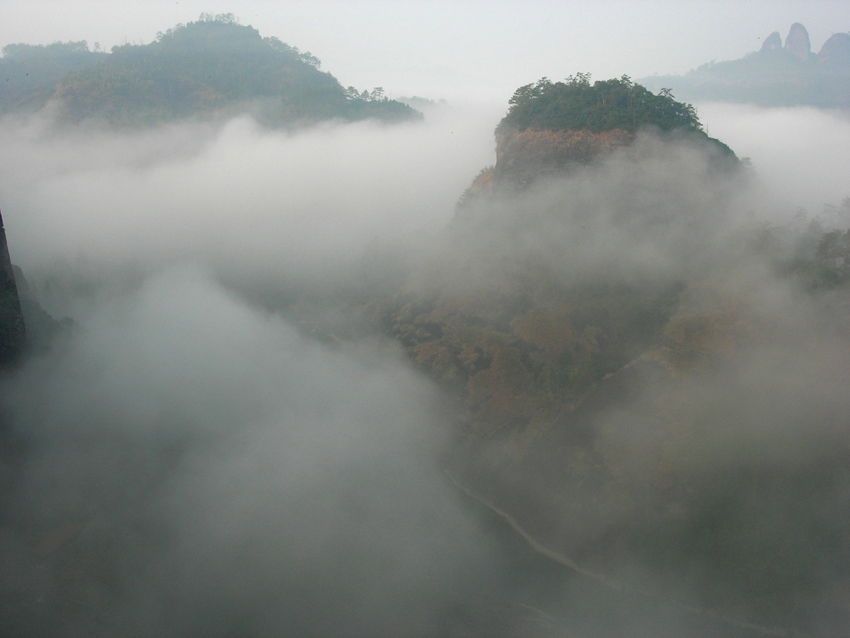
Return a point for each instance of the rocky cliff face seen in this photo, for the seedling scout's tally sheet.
(797, 43)
(524, 156)
(773, 42)
(836, 50)
(12, 331)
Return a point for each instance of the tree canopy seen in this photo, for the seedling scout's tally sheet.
(604, 105)
(29, 73)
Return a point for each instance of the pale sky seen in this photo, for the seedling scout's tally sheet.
(467, 49)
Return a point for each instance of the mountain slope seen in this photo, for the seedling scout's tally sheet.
(635, 366)
(210, 66)
(29, 73)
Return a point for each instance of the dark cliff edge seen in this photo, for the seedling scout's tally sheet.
(13, 342)
(13, 336)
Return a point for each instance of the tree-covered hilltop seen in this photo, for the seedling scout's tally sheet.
(553, 128)
(29, 73)
(212, 65)
(605, 105)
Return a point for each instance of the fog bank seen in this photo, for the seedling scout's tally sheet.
(239, 198)
(799, 154)
(227, 475)
(209, 469)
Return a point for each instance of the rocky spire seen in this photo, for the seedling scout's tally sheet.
(773, 42)
(12, 331)
(836, 50)
(797, 43)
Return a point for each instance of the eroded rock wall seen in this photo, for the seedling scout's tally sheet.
(524, 156)
(12, 330)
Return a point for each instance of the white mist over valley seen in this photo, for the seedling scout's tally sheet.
(381, 372)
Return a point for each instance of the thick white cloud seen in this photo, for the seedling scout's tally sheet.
(271, 474)
(799, 154)
(245, 199)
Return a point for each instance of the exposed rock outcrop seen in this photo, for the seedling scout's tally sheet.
(12, 331)
(524, 156)
(773, 42)
(797, 43)
(836, 50)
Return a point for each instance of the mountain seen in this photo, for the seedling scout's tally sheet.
(495, 316)
(651, 390)
(776, 75)
(210, 66)
(552, 128)
(613, 351)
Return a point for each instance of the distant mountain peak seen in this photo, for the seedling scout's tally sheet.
(773, 42)
(210, 68)
(797, 43)
(836, 50)
(776, 75)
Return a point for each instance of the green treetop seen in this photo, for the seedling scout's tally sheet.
(602, 106)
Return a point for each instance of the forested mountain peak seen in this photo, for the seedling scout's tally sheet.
(552, 127)
(604, 105)
(209, 66)
(223, 33)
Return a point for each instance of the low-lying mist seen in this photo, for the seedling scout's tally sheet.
(799, 153)
(259, 481)
(219, 471)
(244, 200)
(210, 468)
(655, 210)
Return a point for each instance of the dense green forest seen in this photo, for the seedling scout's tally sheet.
(604, 105)
(204, 67)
